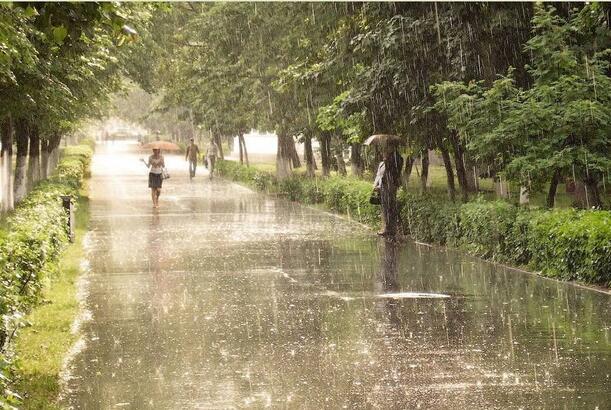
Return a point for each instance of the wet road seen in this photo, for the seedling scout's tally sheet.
(225, 298)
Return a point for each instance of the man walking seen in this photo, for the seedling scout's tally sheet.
(191, 156)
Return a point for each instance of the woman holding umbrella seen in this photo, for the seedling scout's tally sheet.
(388, 180)
(156, 165)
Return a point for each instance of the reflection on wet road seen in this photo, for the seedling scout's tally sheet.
(225, 298)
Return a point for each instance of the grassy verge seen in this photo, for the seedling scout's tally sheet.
(42, 346)
(439, 184)
(32, 241)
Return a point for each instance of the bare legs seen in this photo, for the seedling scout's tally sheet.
(155, 192)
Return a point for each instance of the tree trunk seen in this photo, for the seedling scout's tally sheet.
(553, 186)
(53, 148)
(447, 163)
(192, 123)
(339, 157)
(524, 195)
(6, 165)
(407, 171)
(293, 152)
(424, 175)
(356, 160)
(325, 156)
(33, 158)
(44, 159)
(229, 144)
(245, 151)
(429, 177)
(22, 138)
(284, 156)
(309, 156)
(242, 143)
(592, 192)
(501, 187)
(460, 166)
(240, 151)
(219, 140)
(471, 171)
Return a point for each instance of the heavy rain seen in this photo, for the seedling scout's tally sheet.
(388, 205)
(229, 298)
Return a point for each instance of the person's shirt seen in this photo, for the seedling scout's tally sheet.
(156, 164)
(389, 172)
(212, 150)
(192, 152)
(377, 182)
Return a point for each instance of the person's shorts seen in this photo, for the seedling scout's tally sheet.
(155, 180)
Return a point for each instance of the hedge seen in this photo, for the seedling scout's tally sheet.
(30, 246)
(425, 222)
(342, 194)
(573, 244)
(566, 244)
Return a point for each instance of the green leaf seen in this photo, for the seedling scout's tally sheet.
(59, 34)
(30, 12)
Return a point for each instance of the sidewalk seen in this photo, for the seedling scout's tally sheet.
(225, 298)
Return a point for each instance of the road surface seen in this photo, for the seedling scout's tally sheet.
(226, 298)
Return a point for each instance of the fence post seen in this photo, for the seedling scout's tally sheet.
(69, 207)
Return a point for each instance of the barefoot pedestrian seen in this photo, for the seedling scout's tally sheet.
(156, 165)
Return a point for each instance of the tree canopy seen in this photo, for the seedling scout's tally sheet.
(560, 123)
(464, 79)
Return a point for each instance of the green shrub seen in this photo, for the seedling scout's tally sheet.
(89, 142)
(291, 188)
(262, 181)
(517, 249)
(312, 191)
(571, 244)
(350, 196)
(30, 246)
(485, 226)
(345, 195)
(428, 218)
(71, 171)
(83, 152)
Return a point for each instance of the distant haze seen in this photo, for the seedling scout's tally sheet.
(258, 143)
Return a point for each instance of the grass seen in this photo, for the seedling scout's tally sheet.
(41, 347)
(267, 167)
(439, 185)
(438, 178)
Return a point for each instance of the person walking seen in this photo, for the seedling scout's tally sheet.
(211, 154)
(387, 182)
(156, 165)
(191, 156)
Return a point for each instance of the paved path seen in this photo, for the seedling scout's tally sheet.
(225, 298)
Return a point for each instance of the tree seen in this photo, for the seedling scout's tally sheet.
(59, 63)
(557, 126)
(396, 51)
(331, 118)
